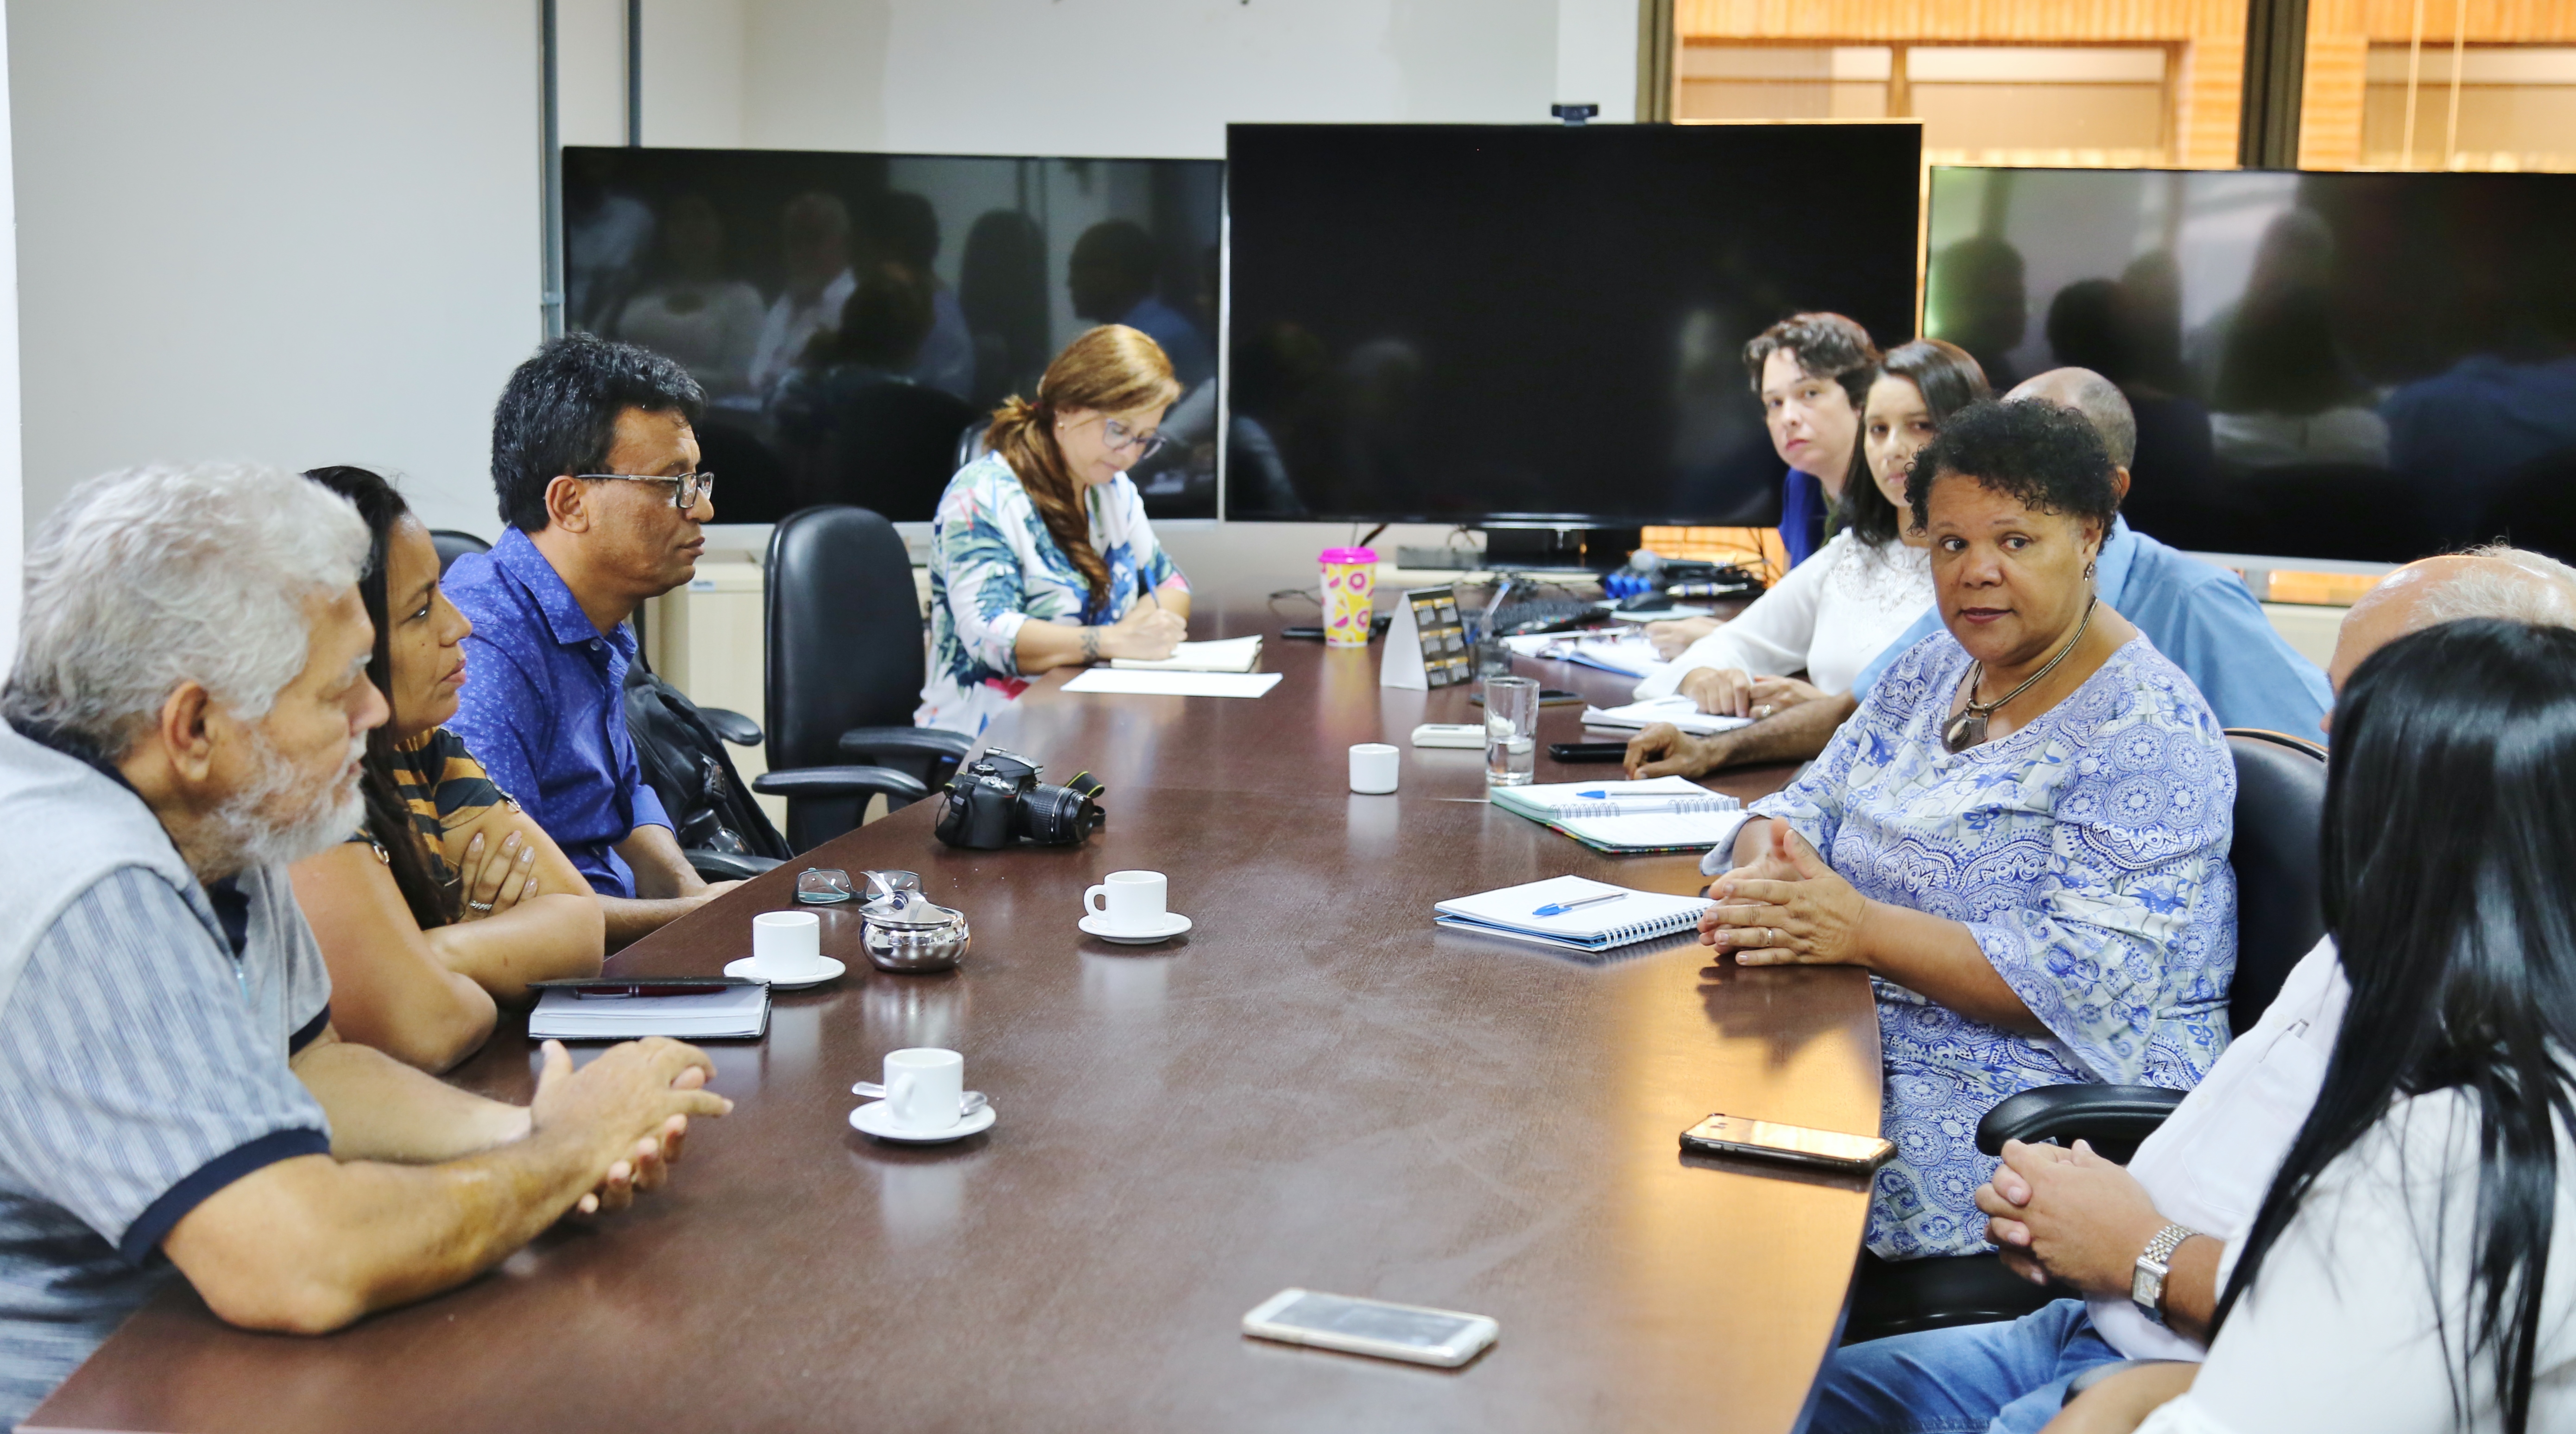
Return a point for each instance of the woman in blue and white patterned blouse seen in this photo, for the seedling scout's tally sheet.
(1040, 555)
(2022, 833)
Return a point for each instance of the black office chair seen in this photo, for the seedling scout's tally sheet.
(2280, 804)
(844, 671)
(970, 441)
(896, 448)
(453, 544)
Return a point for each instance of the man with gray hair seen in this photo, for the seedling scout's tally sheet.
(184, 719)
(2141, 1244)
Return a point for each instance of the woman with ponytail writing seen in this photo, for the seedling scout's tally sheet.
(1040, 555)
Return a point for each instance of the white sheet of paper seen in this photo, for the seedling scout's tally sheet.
(1175, 684)
(1681, 711)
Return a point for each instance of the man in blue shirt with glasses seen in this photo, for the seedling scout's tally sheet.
(595, 459)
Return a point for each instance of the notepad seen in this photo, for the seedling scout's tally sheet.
(1681, 711)
(714, 1014)
(1233, 654)
(1175, 684)
(1512, 913)
(1664, 814)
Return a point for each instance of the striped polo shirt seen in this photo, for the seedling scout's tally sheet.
(143, 1067)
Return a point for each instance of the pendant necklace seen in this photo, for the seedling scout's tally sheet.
(1969, 727)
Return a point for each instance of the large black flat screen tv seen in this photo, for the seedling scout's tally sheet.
(2358, 366)
(1457, 323)
(852, 315)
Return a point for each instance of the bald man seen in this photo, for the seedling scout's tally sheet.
(2199, 615)
(2085, 1221)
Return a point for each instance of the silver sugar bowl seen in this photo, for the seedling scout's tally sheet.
(905, 931)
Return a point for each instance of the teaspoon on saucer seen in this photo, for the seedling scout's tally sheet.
(967, 1104)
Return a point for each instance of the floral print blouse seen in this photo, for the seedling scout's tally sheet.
(2087, 853)
(994, 566)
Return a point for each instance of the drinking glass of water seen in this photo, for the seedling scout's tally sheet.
(1511, 731)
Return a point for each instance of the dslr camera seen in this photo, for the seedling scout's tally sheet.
(998, 800)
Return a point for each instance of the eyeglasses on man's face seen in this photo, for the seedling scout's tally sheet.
(692, 486)
(1119, 439)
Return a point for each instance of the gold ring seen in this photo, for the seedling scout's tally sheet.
(1762, 711)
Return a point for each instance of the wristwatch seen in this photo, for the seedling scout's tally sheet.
(2147, 1283)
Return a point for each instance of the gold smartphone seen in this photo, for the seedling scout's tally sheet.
(1789, 1144)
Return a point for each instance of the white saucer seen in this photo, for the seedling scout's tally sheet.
(748, 968)
(872, 1119)
(1174, 924)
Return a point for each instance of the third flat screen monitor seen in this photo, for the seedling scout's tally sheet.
(2355, 366)
(1453, 322)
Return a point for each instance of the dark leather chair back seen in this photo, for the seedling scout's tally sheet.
(452, 545)
(845, 645)
(2280, 808)
(898, 448)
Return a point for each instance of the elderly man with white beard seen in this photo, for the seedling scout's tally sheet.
(184, 719)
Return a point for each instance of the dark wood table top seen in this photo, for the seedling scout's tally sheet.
(1315, 1087)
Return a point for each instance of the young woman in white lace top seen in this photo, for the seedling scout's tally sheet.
(1835, 611)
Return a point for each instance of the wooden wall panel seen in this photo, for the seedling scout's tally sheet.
(1992, 21)
(2208, 36)
(2330, 98)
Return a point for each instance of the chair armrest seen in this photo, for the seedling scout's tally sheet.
(728, 865)
(2123, 1114)
(878, 743)
(899, 788)
(731, 726)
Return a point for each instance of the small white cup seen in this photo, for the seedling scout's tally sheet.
(1130, 902)
(787, 945)
(925, 1087)
(1373, 768)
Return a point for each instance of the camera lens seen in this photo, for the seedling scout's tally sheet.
(1059, 816)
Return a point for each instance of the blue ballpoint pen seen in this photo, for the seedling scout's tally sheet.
(1559, 908)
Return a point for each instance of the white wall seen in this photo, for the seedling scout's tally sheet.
(1151, 78)
(305, 232)
(297, 231)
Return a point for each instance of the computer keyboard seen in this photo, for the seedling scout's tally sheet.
(1521, 616)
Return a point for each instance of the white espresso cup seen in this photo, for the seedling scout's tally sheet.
(1128, 902)
(787, 945)
(925, 1087)
(1373, 768)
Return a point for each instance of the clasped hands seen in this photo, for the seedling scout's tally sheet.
(2070, 1214)
(1787, 907)
(654, 1085)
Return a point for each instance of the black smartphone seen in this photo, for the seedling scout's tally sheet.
(1547, 697)
(1789, 1144)
(1588, 751)
(1308, 632)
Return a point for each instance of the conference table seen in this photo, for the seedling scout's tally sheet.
(1315, 1087)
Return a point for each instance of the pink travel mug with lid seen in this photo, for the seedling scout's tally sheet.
(1350, 582)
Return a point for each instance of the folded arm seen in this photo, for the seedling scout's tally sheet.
(389, 987)
(553, 933)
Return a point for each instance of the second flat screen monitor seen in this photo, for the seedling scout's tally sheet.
(1452, 323)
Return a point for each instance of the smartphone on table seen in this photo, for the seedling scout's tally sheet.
(1834, 1150)
(1446, 1338)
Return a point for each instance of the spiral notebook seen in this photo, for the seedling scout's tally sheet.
(1662, 814)
(1512, 913)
